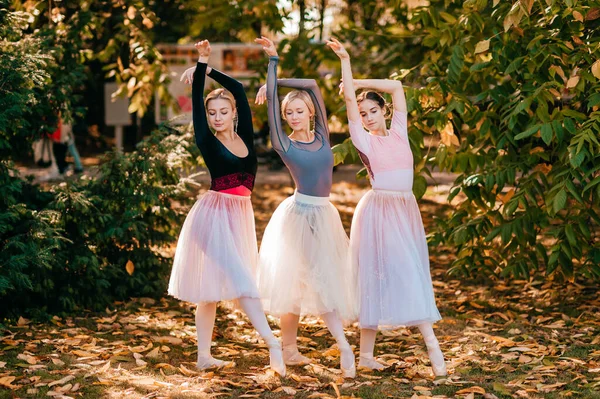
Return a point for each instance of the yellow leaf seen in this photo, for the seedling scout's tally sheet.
(572, 82)
(419, 388)
(577, 15)
(83, 353)
(536, 150)
(148, 23)
(131, 11)
(28, 358)
(7, 382)
(129, 267)
(482, 46)
(596, 69)
(447, 135)
(474, 389)
(505, 198)
(559, 71)
(525, 359)
(528, 4)
(336, 389)
(61, 381)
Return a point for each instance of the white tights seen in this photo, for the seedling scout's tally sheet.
(205, 322)
(367, 345)
(289, 332)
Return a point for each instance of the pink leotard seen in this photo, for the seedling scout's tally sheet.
(388, 159)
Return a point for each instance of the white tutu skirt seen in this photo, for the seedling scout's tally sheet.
(389, 251)
(216, 252)
(303, 267)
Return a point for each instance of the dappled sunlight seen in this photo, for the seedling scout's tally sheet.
(518, 338)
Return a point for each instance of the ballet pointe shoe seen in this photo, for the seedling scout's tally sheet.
(346, 355)
(206, 362)
(367, 361)
(276, 361)
(292, 357)
(436, 357)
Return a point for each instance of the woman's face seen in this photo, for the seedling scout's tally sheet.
(220, 115)
(372, 116)
(297, 115)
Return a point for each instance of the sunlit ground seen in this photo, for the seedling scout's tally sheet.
(523, 339)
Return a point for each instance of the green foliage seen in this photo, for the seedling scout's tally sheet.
(68, 249)
(511, 87)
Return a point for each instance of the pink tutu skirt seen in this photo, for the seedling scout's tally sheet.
(216, 254)
(304, 266)
(389, 252)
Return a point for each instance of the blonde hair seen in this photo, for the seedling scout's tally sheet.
(300, 95)
(220, 94)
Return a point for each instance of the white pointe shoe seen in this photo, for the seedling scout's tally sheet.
(209, 362)
(292, 357)
(346, 355)
(369, 362)
(276, 361)
(436, 357)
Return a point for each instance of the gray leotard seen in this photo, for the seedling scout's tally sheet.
(311, 164)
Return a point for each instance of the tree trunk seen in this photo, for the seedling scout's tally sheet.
(301, 27)
(322, 19)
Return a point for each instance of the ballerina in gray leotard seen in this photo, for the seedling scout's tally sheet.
(303, 268)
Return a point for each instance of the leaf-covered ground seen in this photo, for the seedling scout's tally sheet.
(523, 339)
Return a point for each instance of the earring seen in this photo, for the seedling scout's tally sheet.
(312, 123)
(235, 126)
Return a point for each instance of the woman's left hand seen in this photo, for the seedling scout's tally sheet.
(268, 46)
(188, 75)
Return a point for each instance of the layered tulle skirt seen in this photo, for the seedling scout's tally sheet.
(303, 261)
(216, 254)
(389, 253)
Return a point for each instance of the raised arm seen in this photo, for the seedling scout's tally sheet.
(393, 87)
(243, 108)
(201, 129)
(310, 86)
(348, 83)
(279, 140)
(357, 132)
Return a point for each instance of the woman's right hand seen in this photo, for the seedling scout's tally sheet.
(204, 49)
(261, 96)
(338, 49)
(268, 46)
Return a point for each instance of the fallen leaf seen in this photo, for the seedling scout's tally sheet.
(61, 381)
(28, 358)
(167, 340)
(57, 362)
(473, 389)
(7, 382)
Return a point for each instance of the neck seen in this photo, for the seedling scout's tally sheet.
(227, 134)
(302, 135)
(382, 131)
